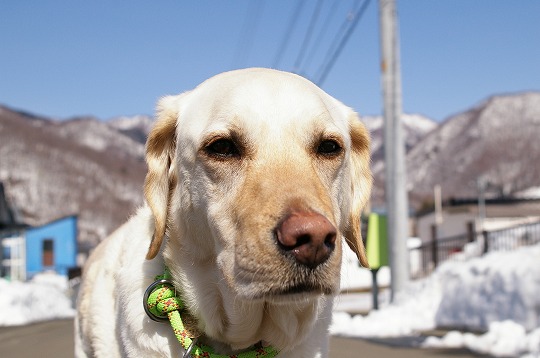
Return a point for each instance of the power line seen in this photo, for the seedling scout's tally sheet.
(337, 37)
(352, 20)
(321, 35)
(247, 35)
(307, 38)
(356, 16)
(288, 32)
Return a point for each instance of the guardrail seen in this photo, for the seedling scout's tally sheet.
(429, 255)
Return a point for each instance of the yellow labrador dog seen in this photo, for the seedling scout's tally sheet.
(255, 179)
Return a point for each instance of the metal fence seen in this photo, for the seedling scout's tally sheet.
(426, 257)
(512, 238)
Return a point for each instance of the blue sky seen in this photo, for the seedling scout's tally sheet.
(66, 58)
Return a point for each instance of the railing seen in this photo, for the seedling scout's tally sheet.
(425, 258)
(512, 238)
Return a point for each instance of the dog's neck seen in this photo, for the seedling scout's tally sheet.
(230, 324)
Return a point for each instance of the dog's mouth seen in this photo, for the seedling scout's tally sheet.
(301, 283)
(295, 294)
(298, 292)
(303, 288)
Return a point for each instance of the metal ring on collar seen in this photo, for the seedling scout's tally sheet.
(147, 294)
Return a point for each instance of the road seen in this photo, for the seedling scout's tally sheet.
(54, 339)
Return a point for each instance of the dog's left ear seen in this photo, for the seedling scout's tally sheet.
(361, 181)
(161, 178)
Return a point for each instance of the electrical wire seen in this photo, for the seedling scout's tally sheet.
(337, 38)
(247, 35)
(327, 66)
(321, 35)
(287, 35)
(307, 37)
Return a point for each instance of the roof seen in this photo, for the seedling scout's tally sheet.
(497, 207)
(8, 217)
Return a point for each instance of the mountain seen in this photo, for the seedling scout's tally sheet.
(135, 127)
(415, 127)
(96, 169)
(81, 166)
(496, 142)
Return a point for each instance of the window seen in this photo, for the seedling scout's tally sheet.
(6, 252)
(48, 253)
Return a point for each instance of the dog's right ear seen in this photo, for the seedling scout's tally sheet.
(161, 177)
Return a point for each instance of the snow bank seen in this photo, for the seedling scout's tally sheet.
(499, 292)
(43, 298)
(500, 286)
(504, 339)
(413, 310)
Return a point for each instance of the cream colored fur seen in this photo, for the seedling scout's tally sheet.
(212, 220)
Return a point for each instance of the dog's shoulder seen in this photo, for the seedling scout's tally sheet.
(115, 277)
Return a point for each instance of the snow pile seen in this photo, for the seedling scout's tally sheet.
(500, 286)
(43, 298)
(504, 339)
(414, 310)
(499, 292)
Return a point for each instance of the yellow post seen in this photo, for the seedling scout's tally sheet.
(377, 250)
(377, 241)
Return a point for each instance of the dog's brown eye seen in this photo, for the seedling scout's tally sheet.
(223, 148)
(329, 147)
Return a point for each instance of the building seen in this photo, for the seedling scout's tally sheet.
(462, 217)
(52, 247)
(27, 251)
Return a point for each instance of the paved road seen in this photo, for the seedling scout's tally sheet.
(55, 340)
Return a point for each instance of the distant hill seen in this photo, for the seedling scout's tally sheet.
(497, 141)
(80, 166)
(415, 127)
(136, 127)
(96, 169)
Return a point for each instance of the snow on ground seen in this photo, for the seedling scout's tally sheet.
(43, 298)
(503, 339)
(499, 293)
(354, 277)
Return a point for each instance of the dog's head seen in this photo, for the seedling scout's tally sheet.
(263, 174)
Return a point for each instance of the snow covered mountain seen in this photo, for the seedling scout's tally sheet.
(415, 127)
(498, 142)
(96, 169)
(136, 127)
(82, 166)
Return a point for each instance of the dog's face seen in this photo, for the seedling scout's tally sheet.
(263, 174)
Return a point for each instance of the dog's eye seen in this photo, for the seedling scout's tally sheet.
(224, 148)
(329, 147)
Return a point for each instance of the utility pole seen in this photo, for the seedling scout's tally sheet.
(481, 183)
(396, 181)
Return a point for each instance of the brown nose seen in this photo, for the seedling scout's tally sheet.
(309, 237)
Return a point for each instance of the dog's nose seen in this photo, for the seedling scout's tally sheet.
(309, 237)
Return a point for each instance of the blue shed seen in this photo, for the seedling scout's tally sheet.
(52, 246)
